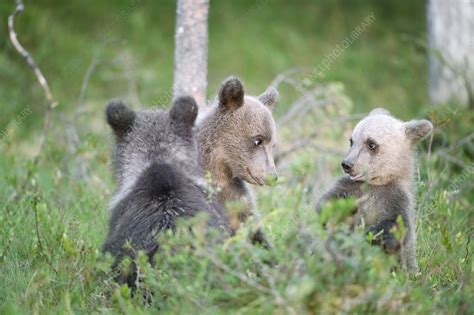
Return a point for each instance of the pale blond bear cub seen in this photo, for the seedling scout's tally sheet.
(380, 168)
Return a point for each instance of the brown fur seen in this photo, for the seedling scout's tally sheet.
(236, 138)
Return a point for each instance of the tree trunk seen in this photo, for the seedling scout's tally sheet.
(191, 40)
(451, 53)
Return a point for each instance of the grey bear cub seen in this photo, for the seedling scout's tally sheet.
(380, 168)
(159, 179)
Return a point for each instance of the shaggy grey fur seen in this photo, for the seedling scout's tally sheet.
(159, 178)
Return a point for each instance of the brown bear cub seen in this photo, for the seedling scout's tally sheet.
(236, 136)
(380, 168)
(159, 178)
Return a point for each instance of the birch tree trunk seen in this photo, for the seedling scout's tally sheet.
(191, 42)
(451, 53)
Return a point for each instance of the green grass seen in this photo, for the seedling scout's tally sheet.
(309, 268)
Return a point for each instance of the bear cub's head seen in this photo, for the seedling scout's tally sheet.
(150, 136)
(247, 133)
(382, 148)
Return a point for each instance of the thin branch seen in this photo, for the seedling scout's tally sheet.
(451, 159)
(29, 59)
(301, 107)
(286, 76)
(466, 140)
(308, 145)
(85, 82)
(306, 142)
(315, 99)
(52, 103)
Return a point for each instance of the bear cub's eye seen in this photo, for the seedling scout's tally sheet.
(258, 141)
(371, 145)
(351, 142)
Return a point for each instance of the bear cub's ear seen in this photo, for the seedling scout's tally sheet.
(231, 94)
(269, 97)
(379, 111)
(417, 130)
(184, 110)
(119, 117)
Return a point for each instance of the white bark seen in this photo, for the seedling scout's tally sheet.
(191, 40)
(451, 53)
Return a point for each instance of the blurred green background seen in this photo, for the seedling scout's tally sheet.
(126, 48)
(256, 40)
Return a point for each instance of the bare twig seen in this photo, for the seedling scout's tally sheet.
(306, 142)
(29, 59)
(286, 76)
(319, 102)
(302, 105)
(452, 159)
(85, 82)
(71, 135)
(52, 103)
(466, 140)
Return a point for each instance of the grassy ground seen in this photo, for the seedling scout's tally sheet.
(50, 236)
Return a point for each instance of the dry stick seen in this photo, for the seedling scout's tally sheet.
(52, 103)
(462, 142)
(29, 59)
(307, 140)
(72, 135)
(286, 76)
(305, 143)
(452, 159)
(85, 81)
(301, 104)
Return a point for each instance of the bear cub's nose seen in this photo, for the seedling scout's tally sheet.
(271, 179)
(347, 166)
